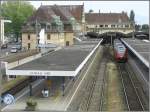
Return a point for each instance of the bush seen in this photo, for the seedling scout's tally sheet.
(31, 105)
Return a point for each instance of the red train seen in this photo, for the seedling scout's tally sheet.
(120, 51)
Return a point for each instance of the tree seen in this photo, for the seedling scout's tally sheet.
(90, 11)
(137, 27)
(132, 15)
(145, 28)
(17, 12)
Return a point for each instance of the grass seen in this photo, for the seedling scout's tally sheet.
(114, 98)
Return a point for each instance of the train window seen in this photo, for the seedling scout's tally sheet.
(121, 48)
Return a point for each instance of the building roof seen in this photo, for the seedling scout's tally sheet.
(139, 48)
(75, 10)
(96, 18)
(67, 61)
(45, 14)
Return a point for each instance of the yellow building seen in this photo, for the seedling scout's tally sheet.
(108, 22)
(61, 23)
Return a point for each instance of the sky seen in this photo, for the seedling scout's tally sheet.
(141, 8)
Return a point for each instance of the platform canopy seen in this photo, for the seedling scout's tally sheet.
(139, 48)
(67, 61)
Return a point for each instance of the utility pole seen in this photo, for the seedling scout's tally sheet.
(37, 34)
(133, 37)
(0, 61)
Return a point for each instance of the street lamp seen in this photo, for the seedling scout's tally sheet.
(133, 30)
(2, 29)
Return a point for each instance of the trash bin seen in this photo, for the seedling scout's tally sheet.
(45, 93)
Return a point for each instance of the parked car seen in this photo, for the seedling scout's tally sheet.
(14, 50)
(18, 47)
(3, 46)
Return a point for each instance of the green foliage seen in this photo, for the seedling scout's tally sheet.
(132, 15)
(145, 28)
(31, 104)
(17, 12)
(137, 27)
(90, 11)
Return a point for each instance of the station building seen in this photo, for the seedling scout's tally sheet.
(60, 22)
(108, 22)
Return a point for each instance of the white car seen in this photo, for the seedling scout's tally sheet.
(13, 50)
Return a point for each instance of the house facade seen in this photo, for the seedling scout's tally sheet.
(60, 22)
(108, 22)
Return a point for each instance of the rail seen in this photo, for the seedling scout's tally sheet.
(132, 98)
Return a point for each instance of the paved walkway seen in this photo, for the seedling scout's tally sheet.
(55, 102)
(140, 48)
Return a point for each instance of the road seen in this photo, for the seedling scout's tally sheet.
(7, 50)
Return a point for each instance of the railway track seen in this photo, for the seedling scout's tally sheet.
(132, 98)
(94, 94)
(19, 86)
(96, 101)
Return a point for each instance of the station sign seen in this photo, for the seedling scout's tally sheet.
(39, 73)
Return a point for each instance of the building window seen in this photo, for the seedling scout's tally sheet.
(106, 26)
(28, 45)
(67, 43)
(28, 36)
(100, 25)
(48, 27)
(113, 26)
(48, 37)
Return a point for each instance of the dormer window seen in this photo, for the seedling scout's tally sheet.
(48, 37)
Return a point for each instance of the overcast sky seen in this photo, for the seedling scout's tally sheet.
(141, 8)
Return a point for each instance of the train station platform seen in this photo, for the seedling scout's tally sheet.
(67, 61)
(55, 102)
(139, 48)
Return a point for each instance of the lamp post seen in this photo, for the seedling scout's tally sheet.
(133, 37)
(0, 61)
(2, 29)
